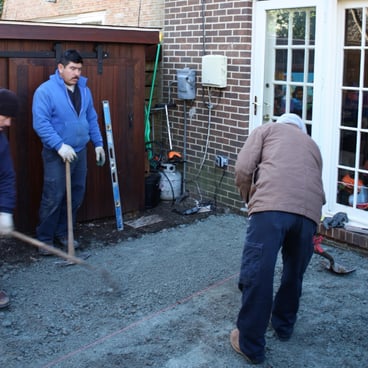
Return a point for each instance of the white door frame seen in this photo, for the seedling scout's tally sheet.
(356, 217)
(327, 84)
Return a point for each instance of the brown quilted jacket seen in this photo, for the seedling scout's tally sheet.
(279, 168)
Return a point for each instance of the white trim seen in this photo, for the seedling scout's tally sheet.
(356, 217)
(326, 111)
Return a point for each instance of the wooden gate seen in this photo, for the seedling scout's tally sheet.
(115, 72)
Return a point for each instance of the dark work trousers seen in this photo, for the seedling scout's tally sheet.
(267, 232)
(53, 220)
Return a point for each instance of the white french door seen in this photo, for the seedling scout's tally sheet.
(311, 58)
(352, 165)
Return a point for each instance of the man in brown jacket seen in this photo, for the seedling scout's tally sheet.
(279, 175)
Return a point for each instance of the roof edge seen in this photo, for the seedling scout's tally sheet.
(70, 32)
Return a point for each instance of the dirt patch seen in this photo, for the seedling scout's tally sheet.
(104, 232)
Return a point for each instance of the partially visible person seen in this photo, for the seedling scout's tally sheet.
(296, 102)
(65, 119)
(362, 197)
(8, 110)
(279, 174)
(346, 189)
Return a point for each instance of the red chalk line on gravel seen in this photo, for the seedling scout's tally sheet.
(137, 323)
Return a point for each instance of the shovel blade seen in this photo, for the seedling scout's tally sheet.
(339, 269)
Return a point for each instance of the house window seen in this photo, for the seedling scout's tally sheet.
(352, 186)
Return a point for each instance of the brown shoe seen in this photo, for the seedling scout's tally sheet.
(4, 300)
(234, 341)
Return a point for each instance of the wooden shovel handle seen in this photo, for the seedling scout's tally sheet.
(50, 249)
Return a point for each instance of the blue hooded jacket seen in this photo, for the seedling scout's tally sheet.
(55, 119)
(7, 177)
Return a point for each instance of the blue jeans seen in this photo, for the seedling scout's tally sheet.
(267, 233)
(53, 221)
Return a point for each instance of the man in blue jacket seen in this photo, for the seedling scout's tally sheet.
(65, 119)
(8, 109)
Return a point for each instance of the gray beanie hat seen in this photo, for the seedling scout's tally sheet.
(8, 103)
(292, 119)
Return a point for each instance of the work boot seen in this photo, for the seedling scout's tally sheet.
(63, 241)
(45, 252)
(282, 337)
(234, 341)
(4, 299)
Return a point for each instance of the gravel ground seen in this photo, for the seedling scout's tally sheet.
(174, 304)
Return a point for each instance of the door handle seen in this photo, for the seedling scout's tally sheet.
(255, 104)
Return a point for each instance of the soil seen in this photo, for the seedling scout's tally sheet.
(99, 233)
(165, 295)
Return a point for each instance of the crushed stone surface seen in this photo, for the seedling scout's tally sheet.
(169, 299)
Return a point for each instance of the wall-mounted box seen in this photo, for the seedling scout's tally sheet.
(214, 71)
(186, 84)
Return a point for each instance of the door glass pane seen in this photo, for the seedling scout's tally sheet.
(297, 65)
(309, 103)
(365, 111)
(299, 27)
(311, 66)
(345, 187)
(278, 105)
(312, 28)
(351, 70)
(348, 142)
(353, 26)
(296, 100)
(289, 71)
(352, 170)
(281, 18)
(349, 108)
(365, 71)
(280, 64)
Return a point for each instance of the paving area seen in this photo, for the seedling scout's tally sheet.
(170, 300)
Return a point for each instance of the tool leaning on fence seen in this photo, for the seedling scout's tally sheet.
(113, 166)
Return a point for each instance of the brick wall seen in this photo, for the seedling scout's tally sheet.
(344, 238)
(192, 29)
(143, 13)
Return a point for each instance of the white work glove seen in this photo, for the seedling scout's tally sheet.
(100, 156)
(67, 153)
(6, 223)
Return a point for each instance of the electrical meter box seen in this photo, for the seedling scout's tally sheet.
(186, 84)
(214, 71)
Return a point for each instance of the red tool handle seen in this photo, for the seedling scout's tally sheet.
(317, 240)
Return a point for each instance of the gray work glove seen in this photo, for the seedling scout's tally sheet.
(6, 223)
(67, 153)
(100, 156)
